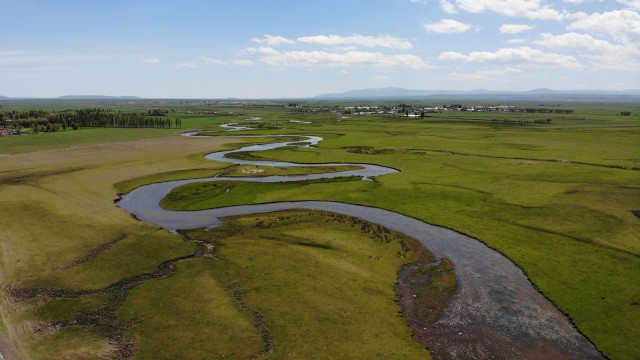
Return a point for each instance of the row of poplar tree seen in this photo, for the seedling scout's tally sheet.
(42, 120)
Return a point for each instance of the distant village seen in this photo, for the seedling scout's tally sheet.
(19, 122)
(413, 110)
(407, 110)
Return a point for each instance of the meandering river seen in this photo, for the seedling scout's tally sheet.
(496, 313)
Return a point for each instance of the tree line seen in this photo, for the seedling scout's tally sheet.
(48, 121)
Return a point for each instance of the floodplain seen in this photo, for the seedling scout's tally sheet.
(556, 197)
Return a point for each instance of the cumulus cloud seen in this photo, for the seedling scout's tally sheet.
(521, 55)
(531, 9)
(386, 41)
(579, 43)
(623, 25)
(337, 51)
(514, 28)
(389, 42)
(345, 48)
(271, 40)
(448, 7)
(600, 52)
(446, 26)
(634, 4)
(243, 62)
(274, 57)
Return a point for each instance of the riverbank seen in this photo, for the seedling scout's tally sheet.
(494, 296)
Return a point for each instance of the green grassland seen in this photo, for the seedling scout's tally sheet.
(231, 171)
(209, 195)
(282, 285)
(258, 170)
(555, 198)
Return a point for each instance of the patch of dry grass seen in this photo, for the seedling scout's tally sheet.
(58, 208)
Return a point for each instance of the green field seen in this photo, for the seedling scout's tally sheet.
(555, 198)
(277, 281)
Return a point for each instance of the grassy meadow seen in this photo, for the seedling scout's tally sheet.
(555, 198)
(282, 285)
(61, 230)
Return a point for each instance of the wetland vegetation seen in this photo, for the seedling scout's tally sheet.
(555, 197)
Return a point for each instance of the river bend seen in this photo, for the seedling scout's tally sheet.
(496, 313)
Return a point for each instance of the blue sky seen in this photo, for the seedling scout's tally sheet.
(282, 48)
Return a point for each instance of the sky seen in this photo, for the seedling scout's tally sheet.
(295, 49)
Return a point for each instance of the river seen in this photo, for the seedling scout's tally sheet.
(496, 313)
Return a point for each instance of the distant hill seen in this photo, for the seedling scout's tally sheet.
(380, 93)
(74, 97)
(96, 97)
(534, 95)
(396, 93)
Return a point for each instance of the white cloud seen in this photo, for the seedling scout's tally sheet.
(448, 7)
(521, 55)
(531, 9)
(265, 50)
(517, 41)
(623, 25)
(389, 42)
(386, 41)
(346, 48)
(274, 57)
(446, 26)
(634, 4)
(418, 1)
(153, 60)
(602, 53)
(243, 62)
(514, 28)
(271, 40)
(213, 61)
(579, 43)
